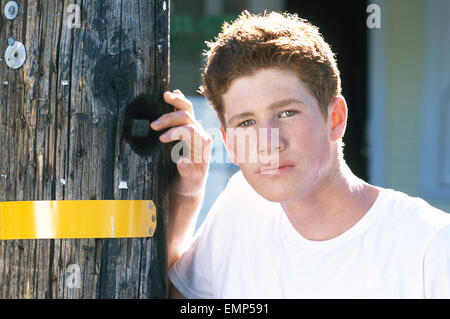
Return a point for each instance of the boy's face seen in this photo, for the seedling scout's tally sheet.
(302, 157)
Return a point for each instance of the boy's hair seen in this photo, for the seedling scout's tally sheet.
(273, 39)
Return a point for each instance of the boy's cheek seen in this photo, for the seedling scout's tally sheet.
(231, 150)
(244, 152)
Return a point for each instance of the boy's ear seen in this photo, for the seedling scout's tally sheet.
(228, 146)
(337, 117)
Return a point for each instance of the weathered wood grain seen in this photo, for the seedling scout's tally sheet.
(61, 118)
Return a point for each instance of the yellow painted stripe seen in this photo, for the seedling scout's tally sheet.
(77, 219)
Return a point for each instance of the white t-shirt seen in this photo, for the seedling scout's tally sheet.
(247, 248)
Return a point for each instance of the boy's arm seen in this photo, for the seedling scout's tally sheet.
(183, 213)
(187, 191)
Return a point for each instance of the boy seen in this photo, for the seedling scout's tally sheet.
(295, 223)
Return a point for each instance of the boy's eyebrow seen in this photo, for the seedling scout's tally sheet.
(273, 106)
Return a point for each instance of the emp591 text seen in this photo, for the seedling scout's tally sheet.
(244, 308)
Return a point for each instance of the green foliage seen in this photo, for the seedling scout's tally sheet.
(189, 33)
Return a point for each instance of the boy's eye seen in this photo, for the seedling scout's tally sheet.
(247, 123)
(288, 113)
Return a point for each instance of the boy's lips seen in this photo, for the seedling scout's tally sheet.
(281, 169)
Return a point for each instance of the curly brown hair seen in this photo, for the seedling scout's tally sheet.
(282, 40)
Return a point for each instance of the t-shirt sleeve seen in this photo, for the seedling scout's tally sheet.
(192, 274)
(437, 265)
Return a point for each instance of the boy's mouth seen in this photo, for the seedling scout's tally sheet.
(281, 169)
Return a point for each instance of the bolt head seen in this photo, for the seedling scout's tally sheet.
(11, 10)
(15, 55)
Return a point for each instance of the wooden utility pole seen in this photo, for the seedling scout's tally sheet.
(62, 116)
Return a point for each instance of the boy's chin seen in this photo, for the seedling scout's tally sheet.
(277, 196)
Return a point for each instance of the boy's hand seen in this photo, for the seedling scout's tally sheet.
(192, 167)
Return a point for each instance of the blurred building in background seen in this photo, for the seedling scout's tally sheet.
(395, 78)
(408, 131)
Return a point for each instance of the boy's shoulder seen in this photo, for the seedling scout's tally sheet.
(412, 216)
(416, 206)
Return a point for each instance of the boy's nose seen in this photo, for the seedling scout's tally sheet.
(269, 140)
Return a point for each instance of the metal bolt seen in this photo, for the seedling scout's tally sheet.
(11, 10)
(11, 41)
(140, 128)
(153, 217)
(150, 205)
(15, 54)
(150, 230)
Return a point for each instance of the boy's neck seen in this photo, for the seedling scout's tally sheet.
(335, 206)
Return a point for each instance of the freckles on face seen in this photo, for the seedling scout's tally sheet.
(257, 101)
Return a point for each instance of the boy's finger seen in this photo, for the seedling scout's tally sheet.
(179, 133)
(178, 92)
(179, 101)
(172, 119)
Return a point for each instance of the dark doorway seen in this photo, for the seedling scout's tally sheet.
(343, 25)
